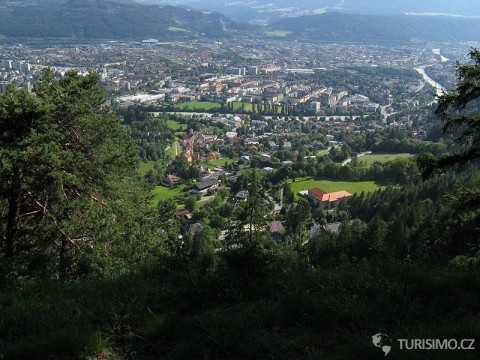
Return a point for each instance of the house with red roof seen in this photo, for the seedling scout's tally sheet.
(327, 200)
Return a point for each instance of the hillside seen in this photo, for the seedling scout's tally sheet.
(109, 20)
(267, 10)
(338, 27)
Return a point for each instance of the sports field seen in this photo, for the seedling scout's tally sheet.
(199, 106)
(331, 186)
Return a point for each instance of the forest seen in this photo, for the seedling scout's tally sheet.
(90, 270)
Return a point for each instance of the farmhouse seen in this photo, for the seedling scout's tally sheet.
(327, 200)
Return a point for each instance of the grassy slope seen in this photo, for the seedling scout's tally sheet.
(371, 158)
(283, 311)
(162, 192)
(174, 150)
(145, 167)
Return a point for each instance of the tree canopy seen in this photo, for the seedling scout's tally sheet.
(62, 155)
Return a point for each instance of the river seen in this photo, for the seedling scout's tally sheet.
(439, 88)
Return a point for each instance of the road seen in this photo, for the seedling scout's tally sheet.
(349, 160)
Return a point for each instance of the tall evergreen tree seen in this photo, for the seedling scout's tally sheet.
(460, 115)
(61, 155)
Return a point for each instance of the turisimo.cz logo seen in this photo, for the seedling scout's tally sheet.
(383, 342)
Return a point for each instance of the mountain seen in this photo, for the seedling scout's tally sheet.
(270, 10)
(111, 20)
(340, 27)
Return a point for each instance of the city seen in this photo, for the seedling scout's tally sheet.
(279, 181)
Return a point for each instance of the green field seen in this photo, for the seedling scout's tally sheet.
(331, 186)
(160, 193)
(209, 106)
(217, 162)
(371, 158)
(175, 125)
(145, 167)
(278, 33)
(237, 106)
(171, 151)
(199, 106)
(176, 29)
(221, 161)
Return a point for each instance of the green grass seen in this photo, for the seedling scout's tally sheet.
(331, 186)
(278, 33)
(209, 106)
(171, 151)
(237, 106)
(160, 193)
(145, 167)
(176, 29)
(323, 152)
(199, 106)
(371, 158)
(283, 312)
(221, 162)
(175, 125)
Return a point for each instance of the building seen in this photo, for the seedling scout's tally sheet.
(206, 185)
(172, 179)
(7, 64)
(327, 200)
(242, 195)
(3, 86)
(239, 71)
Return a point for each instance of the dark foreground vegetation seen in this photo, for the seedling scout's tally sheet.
(281, 309)
(89, 271)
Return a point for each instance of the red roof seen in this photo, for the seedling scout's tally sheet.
(317, 192)
(323, 196)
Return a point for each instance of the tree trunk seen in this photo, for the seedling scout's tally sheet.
(62, 270)
(13, 216)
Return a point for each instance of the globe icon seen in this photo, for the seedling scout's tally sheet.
(383, 342)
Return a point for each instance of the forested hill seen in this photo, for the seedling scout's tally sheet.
(111, 20)
(372, 28)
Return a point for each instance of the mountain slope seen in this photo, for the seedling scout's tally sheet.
(270, 10)
(340, 27)
(109, 20)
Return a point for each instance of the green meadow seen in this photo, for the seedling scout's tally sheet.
(160, 193)
(331, 186)
(174, 150)
(220, 162)
(199, 106)
(278, 33)
(145, 167)
(371, 158)
(176, 29)
(175, 125)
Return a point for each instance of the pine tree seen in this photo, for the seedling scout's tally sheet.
(460, 115)
(61, 154)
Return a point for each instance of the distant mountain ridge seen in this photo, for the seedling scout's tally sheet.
(272, 10)
(86, 19)
(339, 27)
